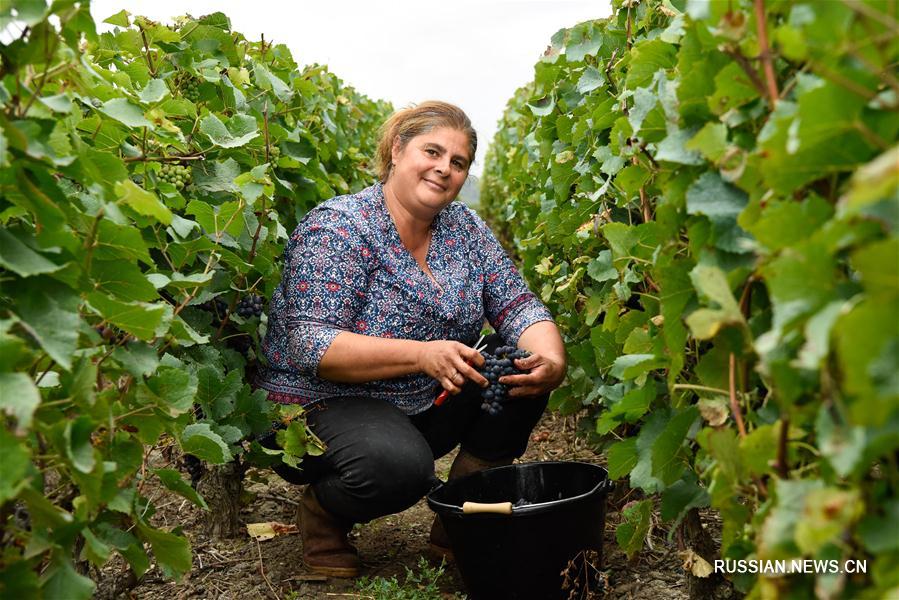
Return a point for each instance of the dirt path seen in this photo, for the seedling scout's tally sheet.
(245, 568)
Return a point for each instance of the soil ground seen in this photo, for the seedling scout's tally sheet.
(245, 568)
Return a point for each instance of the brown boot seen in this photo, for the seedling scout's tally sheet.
(463, 464)
(326, 549)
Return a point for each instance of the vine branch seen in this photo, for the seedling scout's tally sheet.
(732, 389)
(765, 55)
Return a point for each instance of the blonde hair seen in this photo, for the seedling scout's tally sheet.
(415, 120)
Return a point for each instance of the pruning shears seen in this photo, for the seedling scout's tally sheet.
(445, 393)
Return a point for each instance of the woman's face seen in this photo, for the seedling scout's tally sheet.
(430, 170)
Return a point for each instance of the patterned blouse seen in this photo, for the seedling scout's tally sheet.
(347, 270)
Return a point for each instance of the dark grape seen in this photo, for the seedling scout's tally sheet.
(496, 365)
(250, 306)
(217, 306)
(194, 467)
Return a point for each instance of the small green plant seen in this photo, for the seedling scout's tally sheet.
(417, 586)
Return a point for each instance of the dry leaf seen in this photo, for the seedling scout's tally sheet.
(266, 531)
(696, 564)
(714, 410)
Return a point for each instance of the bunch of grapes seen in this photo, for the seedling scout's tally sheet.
(190, 89)
(250, 306)
(497, 365)
(194, 467)
(274, 152)
(177, 175)
(217, 306)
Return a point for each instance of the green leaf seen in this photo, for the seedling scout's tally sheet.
(116, 242)
(878, 533)
(79, 449)
(94, 549)
(711, 283)
(267, 80)
(827, 514)
(786, 223)
(294, 441)
(137, 358)
(172, 389)
(877, 180)
(733, 88)
(684, 495)
(217, 176)
(154, 91)
(634, 527)
(721, 202)
(647, 57)
(843, 445)
(125, 113)
(622, 457)
(225, 218)
(642, 474)
(878, 266)
(631, 366)
(238, 130)
(140, 319)
(591, 79)
(172, 551)
(201, 441)
(49, 312)
(710, 141)
(667, 461)
(629, 409)
(217, 394)
(172, 480)
(601, 268)
(120, 19)
(143, 202)
(123, 280)
(59, 103)
(20, 259)
(16, 457)
(18, 579)
(758, 449)
(674, 148)
(62, 582)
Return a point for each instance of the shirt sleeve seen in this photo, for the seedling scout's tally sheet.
(324, 281)
(509, 305)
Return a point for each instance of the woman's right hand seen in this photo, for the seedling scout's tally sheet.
(451, 363)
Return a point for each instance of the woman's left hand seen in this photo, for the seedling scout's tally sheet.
(545, 376)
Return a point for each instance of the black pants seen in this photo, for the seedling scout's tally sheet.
(379, 461)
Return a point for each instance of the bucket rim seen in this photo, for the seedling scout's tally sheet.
(442, 508)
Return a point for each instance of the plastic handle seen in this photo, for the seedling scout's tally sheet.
(500, 508)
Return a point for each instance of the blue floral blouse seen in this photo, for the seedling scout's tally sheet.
(347, 270)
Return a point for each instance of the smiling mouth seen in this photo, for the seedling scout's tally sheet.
(436, 185)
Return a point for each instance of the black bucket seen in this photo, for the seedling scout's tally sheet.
(553, 512)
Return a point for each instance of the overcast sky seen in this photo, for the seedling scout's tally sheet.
(474, 53)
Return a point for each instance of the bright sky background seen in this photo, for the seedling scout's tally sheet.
(474, 53)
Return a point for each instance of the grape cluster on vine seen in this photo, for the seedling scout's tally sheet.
(177, 175)
(499, 364)
(190, 89)
(217, 306)
(250, 306)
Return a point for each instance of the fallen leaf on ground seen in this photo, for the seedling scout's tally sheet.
(696, 564)
(266, 531)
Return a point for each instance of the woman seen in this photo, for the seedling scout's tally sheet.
(383, 293)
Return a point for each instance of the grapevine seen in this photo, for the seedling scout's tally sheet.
(704, 194)
(149, 177)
